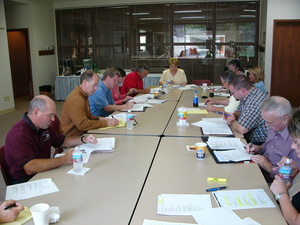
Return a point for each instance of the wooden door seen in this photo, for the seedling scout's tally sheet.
(285, 77)
(19, 54)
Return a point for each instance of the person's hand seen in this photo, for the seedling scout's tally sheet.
(132, 91)
(127, 98)
(209, 101)
(210, 108)
(90, 139)
(279, 186)
(68, 159)
(263, 162)
(147, 90)
(292, 164)
(112, 122)
(11, 214)
(253, 149)
(229, 117)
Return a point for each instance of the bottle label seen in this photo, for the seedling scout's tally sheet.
(195, 100)
(129, 117)
(77, 158)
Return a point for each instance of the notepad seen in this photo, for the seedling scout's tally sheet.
(139, 107)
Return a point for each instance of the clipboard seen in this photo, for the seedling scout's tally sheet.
(212, 152)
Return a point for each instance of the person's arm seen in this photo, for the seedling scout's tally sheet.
(289, 212)
(212, 108)
(112, 108)
(73, 141)
(143, 91)
(11, 214)
(39, 165)
(231, 120)
(211, 101)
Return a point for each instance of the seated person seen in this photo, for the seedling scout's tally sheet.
(231, 104)
(135, 80)
(247, 119)
(235, 66)
(288, 194)
(257, 77)
(101, 102)
(118, 98)
(76, 118)
(173, 74)
(28, 143)
(11, 214)
(276, 111)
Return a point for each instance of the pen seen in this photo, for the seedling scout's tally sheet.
(222, 113)
(135, 120)
(10, 206)
(216, 188)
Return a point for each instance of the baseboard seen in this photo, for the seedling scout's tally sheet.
(7, 111)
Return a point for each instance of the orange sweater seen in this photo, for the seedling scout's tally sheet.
(76, 118)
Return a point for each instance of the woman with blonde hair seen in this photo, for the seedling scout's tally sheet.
(257, 77)
(173, 74)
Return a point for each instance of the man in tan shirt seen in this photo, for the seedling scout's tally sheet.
(76, 118)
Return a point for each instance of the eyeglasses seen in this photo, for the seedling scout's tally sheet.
(232, 93)
(115, 80)
(95, 85)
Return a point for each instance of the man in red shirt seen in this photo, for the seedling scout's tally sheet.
(135, 80)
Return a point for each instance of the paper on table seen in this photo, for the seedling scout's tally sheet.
(155, 222)
(250, 221)
(214, 120)
(243, 199)
(103, 145)
(210, 128)
(139, 107)
(84, 171)
(196, 111)
(182, 204)
(31, 189)
(235, 155)
(217, 216)
(225, 143)
(142, 98)
(187, 87)
(22, 218)
(156, 101)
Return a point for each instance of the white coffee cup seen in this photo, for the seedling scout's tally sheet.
(40, 214)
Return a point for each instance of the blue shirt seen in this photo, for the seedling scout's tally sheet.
(260, 85)
(101, 98)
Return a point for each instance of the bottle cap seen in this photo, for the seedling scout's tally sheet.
(287, 161)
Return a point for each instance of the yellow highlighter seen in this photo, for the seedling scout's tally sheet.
(216, 179)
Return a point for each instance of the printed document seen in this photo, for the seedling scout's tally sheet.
(243, 199)
(31, 189)
(182, 204)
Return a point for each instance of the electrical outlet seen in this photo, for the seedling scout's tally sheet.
(6, 98)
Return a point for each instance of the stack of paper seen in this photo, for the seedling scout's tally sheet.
(142, 98)
(214, 126)
(156, 101)
(103, 145)
(139, 107)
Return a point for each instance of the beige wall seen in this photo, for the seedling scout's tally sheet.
(38, 17)
(5, 72)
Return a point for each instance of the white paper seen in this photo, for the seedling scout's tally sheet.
(31, 189)
(225, 143)
(156, 101)
(187, 87)
(182, 204)
(139, 107)
(84, 171)
(210, 128)
(235, 155)
(217, 216)
(250, 221)
(103, 145)
(155, 222)
(243, 199)
(142, 98)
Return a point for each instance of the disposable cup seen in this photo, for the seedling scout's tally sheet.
(200, 150)
(40, 213)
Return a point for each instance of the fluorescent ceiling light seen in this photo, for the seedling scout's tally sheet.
(193, 17)
(153, 18)
(249, 10)
(246, 15)
(138, 14)
(188, 11)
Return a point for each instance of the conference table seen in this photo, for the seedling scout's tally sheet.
(122, 187)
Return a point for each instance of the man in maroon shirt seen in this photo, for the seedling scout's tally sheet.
(135, 80)
(28, 143)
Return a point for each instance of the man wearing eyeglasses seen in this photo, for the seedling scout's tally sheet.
(247, 120)
(135, 80)
(276, 111)
(76, 118)
(102, 102)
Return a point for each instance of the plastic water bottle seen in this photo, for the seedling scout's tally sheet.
(169, 85)
(129, 120)
(195, 101)
(285, 171)
(77, 161)
(165, 87)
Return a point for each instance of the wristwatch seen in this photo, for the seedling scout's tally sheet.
(277, 197)
(82, 139)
